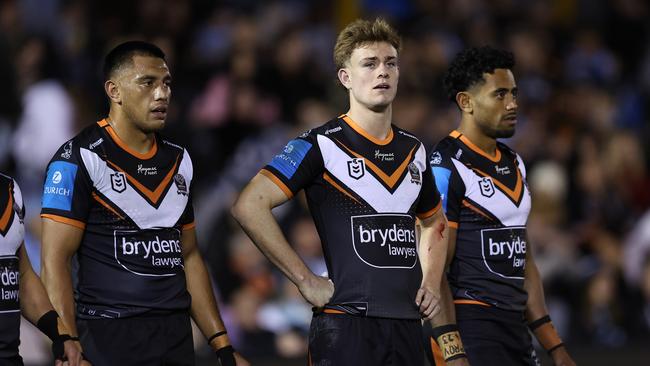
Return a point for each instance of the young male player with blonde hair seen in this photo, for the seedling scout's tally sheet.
(366, 182)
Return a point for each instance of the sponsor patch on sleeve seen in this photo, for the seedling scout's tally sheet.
(59, 186)
(441, 175)
(288, 161)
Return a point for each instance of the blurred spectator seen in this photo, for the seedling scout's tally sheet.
(249, 75)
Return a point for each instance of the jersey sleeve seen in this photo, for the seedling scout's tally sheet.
(297, 165)
(449, 183)
(67, 188)
(429, 202)
(18, 200)
(186, 220)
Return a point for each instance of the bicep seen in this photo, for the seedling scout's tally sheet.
(264, 190)
(59, 240)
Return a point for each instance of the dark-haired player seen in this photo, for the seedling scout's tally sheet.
(366, 181)
(118, 196)
(495, 284)
(21, 291)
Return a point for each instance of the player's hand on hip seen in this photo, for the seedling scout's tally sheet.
(428, 299)
(561, 357)
(317, 290)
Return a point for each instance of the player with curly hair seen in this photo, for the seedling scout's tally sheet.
(493, 279)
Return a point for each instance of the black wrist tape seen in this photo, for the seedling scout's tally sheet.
(226, 356)
(449, 341)
(216, 335)
(52, 326)
(545, 333)
(49, 325)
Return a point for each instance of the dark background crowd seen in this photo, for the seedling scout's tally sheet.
(249, 75)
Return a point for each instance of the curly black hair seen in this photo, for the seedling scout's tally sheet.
(467, 69)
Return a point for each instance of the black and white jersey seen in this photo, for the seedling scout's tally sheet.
(12, 232)
(364, 195)
(486, 199)
(133, 208)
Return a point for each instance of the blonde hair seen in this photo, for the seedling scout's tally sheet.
(360, 33)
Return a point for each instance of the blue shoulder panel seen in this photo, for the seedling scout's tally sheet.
(289, 159)
(441, 175)
(59, 186)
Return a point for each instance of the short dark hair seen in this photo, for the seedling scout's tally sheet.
(124, 52)
(467, 69)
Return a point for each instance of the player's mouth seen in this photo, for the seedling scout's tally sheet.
(511, 118)
(382, 86)
(159, 112)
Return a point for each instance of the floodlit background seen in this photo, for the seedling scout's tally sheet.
(249, 75)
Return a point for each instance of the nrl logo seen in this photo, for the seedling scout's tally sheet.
(356, 168)
(118, 182)
(487, 187)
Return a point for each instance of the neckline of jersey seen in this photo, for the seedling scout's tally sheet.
(365, 134)
(497, 155)
(111, 132)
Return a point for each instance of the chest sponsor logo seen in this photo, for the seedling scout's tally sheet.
(385, 240)
(502, 170)
(181, 185)
(9, 279)
(356, 168)
(415, 174)
(147, 170)
(152, 252)
(118, 182)
(504, 251)
(384, 156)
(487, 187)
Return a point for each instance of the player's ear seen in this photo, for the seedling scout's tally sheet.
(344, 77)
(464, 101)
(112, 91)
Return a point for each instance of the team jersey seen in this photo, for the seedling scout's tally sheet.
(132, 208)
(364, 195)
(487, 201)
(12, 232)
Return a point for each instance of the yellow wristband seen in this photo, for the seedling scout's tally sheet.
(451, 345)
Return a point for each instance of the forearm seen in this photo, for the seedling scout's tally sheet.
(58, 284)
(536, 304)
(433, 248)
(33, 298)
(447, 314)
(204, 309)
(259, 223)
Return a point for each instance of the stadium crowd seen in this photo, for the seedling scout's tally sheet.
(249, 75)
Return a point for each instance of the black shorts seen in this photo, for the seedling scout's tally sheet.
(343, 339)
(141, 340)
(11, 361)
(493, 336)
